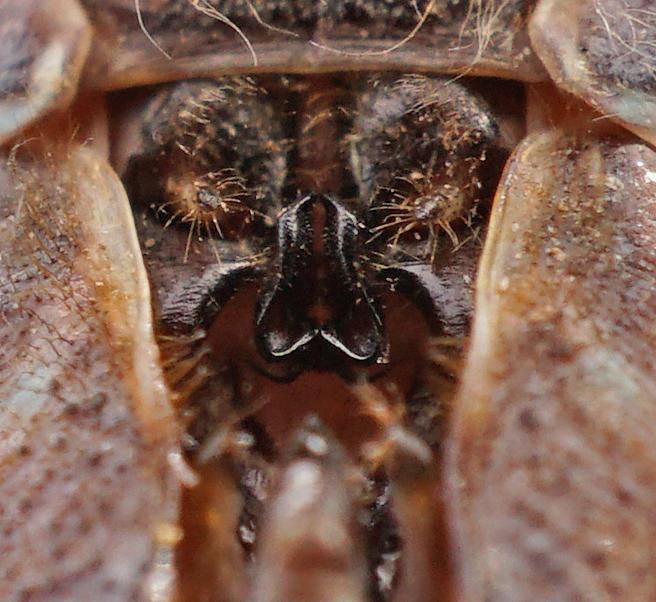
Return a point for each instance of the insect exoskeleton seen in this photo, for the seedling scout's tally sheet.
(344, 300)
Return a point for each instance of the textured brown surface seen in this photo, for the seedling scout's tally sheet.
(602, 51)
(482, 36)
(551, 472)
(210, 559)
(552, 464)
(43, 47)
(310, 549)
(87, 494)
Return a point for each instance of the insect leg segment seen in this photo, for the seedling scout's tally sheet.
(209, 558)
(412, 467)
(552, 460)
(89, 494)
(310, 549)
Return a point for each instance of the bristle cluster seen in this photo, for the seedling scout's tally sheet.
(186, 363)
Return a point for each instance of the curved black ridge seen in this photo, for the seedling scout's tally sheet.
(429, 292)
(319, 268)
(195, 304)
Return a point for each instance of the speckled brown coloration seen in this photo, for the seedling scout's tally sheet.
(44, 47)
(618, 41)
(552, 459)
(84, 477)
(602, 51)
(291, 124)
(479, 36)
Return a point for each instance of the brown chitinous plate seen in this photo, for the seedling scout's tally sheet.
(174, 40)
(244, 244)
